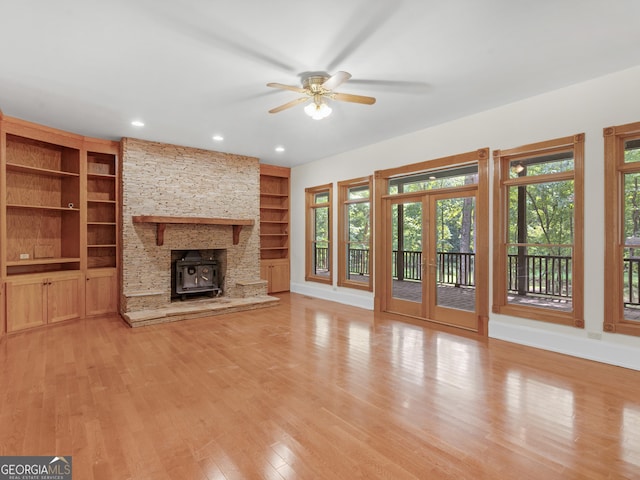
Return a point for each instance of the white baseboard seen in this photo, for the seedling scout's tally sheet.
(338, 295)
(590, 349)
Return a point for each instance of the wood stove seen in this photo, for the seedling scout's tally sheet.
(196, 275)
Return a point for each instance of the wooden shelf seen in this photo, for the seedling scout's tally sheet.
(96, 200)
(42, 261)
(161, 223)
(102, 246)
(108, 224)
(273, 195)
(42, 207)
(101, 176)
(15, 167)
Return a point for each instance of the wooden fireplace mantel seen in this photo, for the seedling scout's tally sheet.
(162, 222)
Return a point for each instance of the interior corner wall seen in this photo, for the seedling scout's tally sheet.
(585, 107)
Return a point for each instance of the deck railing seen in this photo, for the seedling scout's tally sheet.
(322, 259)
(631, 281)
(548, 275)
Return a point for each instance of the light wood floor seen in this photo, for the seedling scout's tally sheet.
(311, 390)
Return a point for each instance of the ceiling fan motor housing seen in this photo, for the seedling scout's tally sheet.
(314, 83)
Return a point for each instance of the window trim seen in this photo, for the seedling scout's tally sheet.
(501, 182)
(343, 231)
(310, 205)
(615, 168)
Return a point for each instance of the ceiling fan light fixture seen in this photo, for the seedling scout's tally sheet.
(318, 88)
(318, 111)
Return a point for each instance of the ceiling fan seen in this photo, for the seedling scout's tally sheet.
(319, 87)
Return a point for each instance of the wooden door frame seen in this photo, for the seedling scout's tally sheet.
(382, 226)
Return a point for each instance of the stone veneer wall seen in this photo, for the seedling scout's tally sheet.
(169, 180)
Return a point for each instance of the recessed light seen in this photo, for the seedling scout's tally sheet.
(218, 138)
(280, 149)
(432, 177)
(137, 123)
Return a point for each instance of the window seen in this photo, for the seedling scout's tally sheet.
(538, 225)
(622, 235)
(354, 234)
(318, 236)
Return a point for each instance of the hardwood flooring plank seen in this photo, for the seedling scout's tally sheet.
(311, 389)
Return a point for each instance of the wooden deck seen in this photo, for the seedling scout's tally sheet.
(464, 297)
(310, 389)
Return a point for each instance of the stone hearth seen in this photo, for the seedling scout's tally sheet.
(197, 309)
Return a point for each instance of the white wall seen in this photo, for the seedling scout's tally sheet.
(586, 107)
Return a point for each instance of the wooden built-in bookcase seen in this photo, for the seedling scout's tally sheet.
(101, 210)
(274, 227)
(59, 232)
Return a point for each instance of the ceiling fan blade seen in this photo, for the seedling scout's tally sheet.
(290, 104)
(336, 80)
(287, 87)
(347, 97)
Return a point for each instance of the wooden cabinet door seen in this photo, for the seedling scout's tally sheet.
(276, 273)
(279, 277)
(101, 292)
(26, 304)
(63, 298)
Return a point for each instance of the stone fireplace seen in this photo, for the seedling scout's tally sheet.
(158, 181)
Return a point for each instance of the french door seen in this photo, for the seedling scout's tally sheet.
(429, 253)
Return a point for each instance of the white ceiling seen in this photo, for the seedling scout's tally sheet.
(194, 68)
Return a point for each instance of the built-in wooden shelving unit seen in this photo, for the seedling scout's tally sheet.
(274, 227)
(59, 195)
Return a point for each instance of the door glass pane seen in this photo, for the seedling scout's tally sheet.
(406, 258)
(455, 253)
